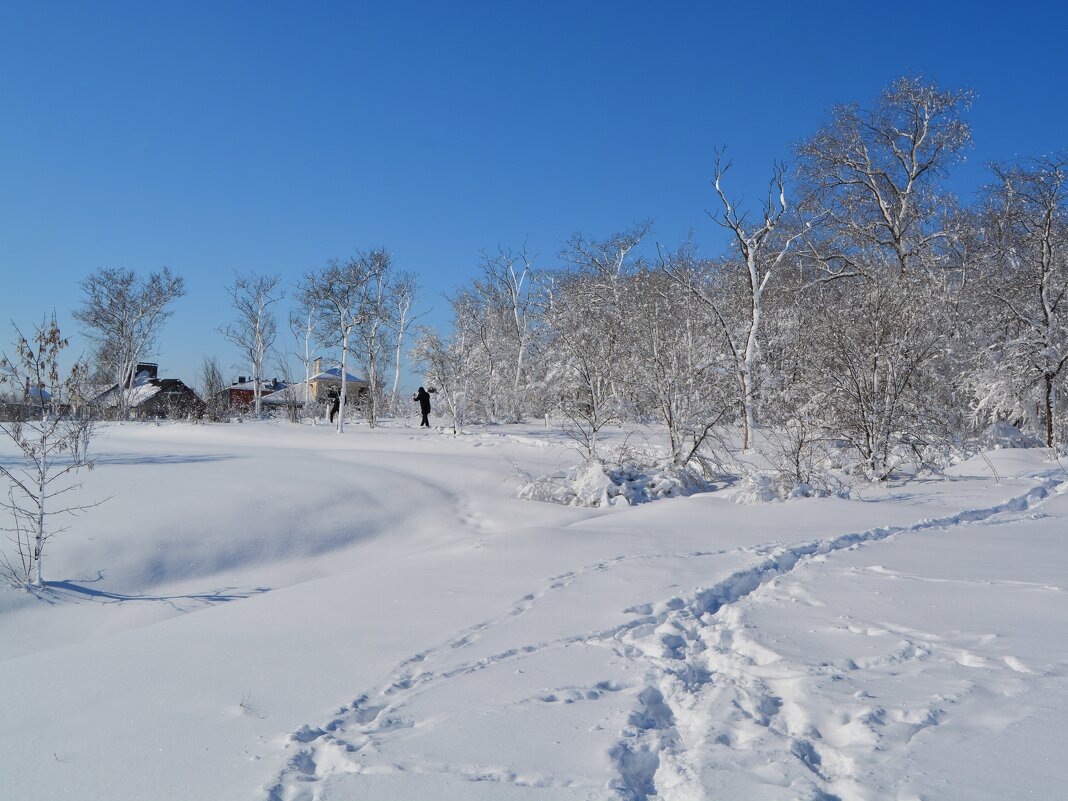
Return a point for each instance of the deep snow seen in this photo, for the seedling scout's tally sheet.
(275, 611)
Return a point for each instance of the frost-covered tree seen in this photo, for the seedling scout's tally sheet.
(375, 325)
(337, 298)
(211, 385)
(474, 326)
(759, 249)
(123, 314)
(402, 295)
(585, 361)
(898, 322)
(867, 371)
(1025, 278)
(499, 307)
(880, 274)
(445, 363)
(52, 443)
(586, 317)
(675, 370)
(506, 292)
(254, 327)
(671, 370)
(874, 173)
(302, 324)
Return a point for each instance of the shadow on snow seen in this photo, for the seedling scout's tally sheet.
(57, 592)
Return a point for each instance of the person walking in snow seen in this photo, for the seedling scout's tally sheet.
(422, 397)
(335, 404)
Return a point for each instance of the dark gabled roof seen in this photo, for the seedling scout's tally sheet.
(143, 393)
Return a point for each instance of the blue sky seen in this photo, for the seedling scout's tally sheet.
(269, 137)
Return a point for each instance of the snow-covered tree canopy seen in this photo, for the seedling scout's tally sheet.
(859, 304)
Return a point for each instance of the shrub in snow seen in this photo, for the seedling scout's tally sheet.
(1005, 435)
(908, 456)
(598, 483)
(52, 442)
(768, 487)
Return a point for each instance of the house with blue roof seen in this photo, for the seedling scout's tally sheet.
(320, 387)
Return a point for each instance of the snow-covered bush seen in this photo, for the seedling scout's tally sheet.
(599, 483)
(766, 487)
(1005, 435)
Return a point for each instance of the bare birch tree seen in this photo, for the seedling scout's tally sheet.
(1026, 280)
(373, 329)
(868, 372)
(873, 171)
(255, 327)
(760, 248)
(337, 299)
(52, 443)
(887, 244)
(123, 315)
(586, 313)
(506, 287)
(445, 363)
(402, 295)
(302, 323)
(211, 386)
(678, 371)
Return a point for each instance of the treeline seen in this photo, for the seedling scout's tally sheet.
(859, 303)
(357, 310)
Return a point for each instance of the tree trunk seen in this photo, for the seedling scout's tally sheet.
(344, 373)
(307, 364)
(1049, 410)
(38, 545)
(394, 405)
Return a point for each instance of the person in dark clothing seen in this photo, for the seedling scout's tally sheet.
(422, 397)
(335, 404)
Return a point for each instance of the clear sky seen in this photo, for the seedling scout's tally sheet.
(270, 137)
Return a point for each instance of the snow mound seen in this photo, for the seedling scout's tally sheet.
(769, 487)
(598, 483)
(1005, 435)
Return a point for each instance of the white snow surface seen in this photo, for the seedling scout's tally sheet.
(275, 612)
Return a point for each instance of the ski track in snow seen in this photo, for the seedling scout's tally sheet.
(705, 689)
(375, 713)
(701, 693)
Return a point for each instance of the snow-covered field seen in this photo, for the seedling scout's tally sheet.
(272, 611)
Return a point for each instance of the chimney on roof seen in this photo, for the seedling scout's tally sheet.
(318, 365)
(143, 371)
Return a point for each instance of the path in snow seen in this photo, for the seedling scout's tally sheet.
(709, 693)
(701, 693)
(360, 727)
